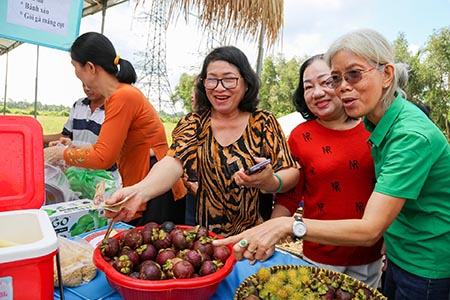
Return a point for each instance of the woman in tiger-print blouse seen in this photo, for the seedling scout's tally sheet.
(225, 136)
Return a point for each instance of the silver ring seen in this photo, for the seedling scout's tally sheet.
(243, 243)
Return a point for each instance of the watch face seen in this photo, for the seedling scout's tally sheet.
(299, 229)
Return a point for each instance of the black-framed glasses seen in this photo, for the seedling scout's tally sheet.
(227, 82)
(352, 77)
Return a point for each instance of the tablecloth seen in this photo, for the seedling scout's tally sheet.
(100, 289)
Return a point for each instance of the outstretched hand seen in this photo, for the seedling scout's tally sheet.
(129, 208)
(258, 243)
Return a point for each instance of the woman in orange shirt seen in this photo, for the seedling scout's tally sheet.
(132, 128)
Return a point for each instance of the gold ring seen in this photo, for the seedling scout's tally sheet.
(251, 251)
(243, 243)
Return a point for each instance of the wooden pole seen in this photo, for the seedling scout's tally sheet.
(259, 60)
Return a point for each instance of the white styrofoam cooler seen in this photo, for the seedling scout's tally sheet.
(31, 230)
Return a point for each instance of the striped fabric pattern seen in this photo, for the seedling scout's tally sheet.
(83, 126)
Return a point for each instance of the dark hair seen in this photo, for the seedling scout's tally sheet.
(238, 59)
(98, 49)
(299, 94)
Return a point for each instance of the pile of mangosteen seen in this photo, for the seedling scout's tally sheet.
(156, 252)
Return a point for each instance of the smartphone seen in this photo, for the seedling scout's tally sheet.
(258, 167)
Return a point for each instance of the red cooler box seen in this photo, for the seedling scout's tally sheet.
(28, 242)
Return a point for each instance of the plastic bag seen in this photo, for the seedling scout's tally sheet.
(57, 187)
(85, 181)
(76, 262)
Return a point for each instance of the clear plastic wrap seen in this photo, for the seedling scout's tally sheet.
(77, 267)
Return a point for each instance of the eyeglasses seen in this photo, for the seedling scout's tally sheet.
(227, 83)
(352, 77)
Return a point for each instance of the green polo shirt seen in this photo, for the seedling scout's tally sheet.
(412, 161)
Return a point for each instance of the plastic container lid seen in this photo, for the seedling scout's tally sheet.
(22, 163)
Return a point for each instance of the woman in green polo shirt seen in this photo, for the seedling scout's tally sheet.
(410, 203)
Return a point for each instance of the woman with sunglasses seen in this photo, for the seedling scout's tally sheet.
(410, 204)
(225, 135)
(331, 138)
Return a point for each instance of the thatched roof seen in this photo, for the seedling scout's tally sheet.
(239, 17)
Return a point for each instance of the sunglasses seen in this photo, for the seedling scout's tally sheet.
(351, 77)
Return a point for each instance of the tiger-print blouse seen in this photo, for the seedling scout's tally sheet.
(221, 203)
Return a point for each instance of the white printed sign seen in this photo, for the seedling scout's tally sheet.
(46, 15)
(6, 288)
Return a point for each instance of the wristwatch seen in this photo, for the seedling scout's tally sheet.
(299, 227)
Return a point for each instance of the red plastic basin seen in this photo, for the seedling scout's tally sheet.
(171, 289)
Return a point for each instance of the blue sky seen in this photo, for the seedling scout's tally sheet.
(310, 26)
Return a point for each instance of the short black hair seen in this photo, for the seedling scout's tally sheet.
(238, 59)
(299, 94)
(98, 49)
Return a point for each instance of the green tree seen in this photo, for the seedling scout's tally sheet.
(437, 63)
(416, 84)
(429, 75)
(184, 90)
(279, 79)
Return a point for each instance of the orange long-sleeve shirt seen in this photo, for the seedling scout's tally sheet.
(131, 128)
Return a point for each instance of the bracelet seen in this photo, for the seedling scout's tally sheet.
(280, 183)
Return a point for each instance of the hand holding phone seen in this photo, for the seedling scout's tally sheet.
(258, 167)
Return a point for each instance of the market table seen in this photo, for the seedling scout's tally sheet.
(100, 289)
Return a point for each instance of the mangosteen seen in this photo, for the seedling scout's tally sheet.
(204, 245)
(365, 292)
(342, 295)
(182, 240)
(150, 226)
(169, 265)
(329, 295)
(221, 253)
(209, 267)
(147, 236)
(164, 255)
(161, 239)
(110, 247)
(201, 232)
(132, 255)
(168, 226)
(123, 264)
(194, 257)
(150, 271)
(132, 239)
(183, 269)
(147, 252)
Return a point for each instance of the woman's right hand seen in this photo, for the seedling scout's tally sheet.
(62, 141)
(130, 207)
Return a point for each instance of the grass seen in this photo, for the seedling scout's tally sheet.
(52, 124)
(55, 124)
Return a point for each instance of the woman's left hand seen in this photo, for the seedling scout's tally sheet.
(258, 180)
(54, 154)
(258, 243)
